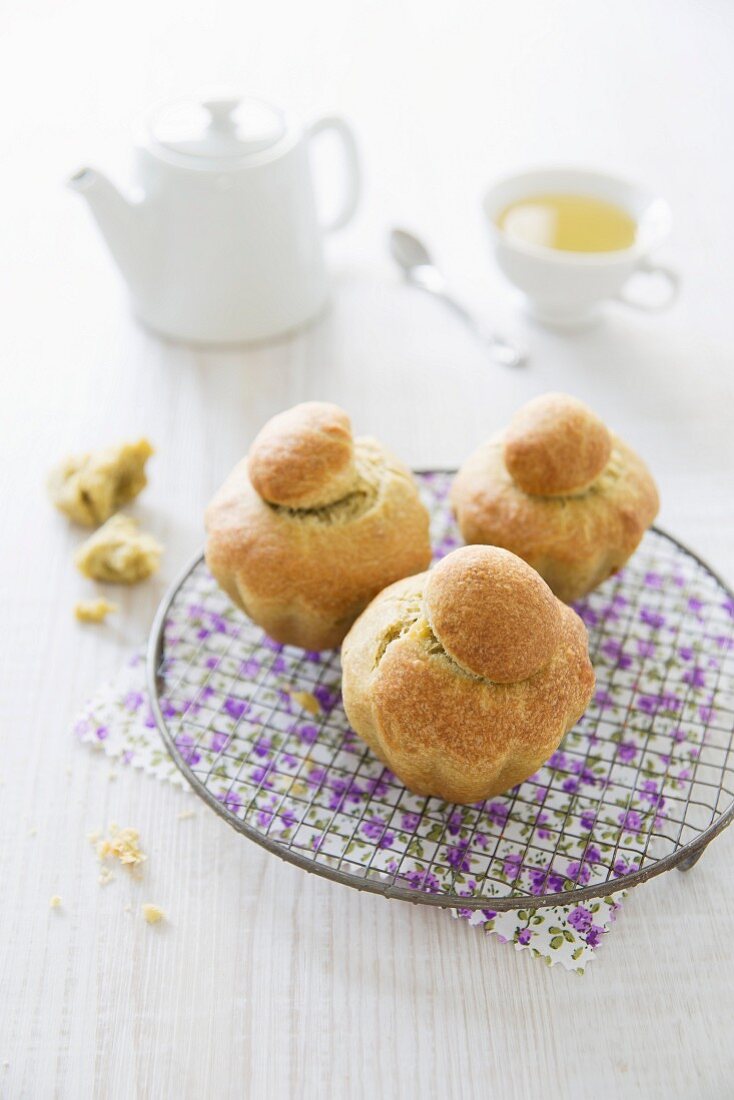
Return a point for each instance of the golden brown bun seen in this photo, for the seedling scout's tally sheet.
(555, 445)
(494, 615)
(304, 574)
(575, 541)
(443, 730)
(304, 457)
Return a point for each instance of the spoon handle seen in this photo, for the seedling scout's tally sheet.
(502, 350)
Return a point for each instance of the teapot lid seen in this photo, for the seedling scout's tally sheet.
(217, 129)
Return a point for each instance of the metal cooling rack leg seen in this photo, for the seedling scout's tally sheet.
(692, 859)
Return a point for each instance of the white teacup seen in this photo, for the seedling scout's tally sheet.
(567, 289)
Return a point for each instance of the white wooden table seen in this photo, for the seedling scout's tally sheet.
(266, 982)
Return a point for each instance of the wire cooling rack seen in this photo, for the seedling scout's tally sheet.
(640, 785)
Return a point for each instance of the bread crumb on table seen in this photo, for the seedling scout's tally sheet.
(186, 814)
(121, 844)
(94, 611)
(153, 913)
(55, 902)
(119, 552)
(88, 488)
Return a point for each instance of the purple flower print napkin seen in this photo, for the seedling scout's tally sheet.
(118, 721)
(638, 776)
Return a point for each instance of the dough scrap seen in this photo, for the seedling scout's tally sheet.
(94, 611)
(90, 488)
(119, 553)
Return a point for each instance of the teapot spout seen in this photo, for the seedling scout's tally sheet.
(119, 221)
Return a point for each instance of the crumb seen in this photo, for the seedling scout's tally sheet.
(55, 902)
(33, 831)
(153, 913)
(94, 836)
(89, 488)
(185, 815)
(111, 775)
(128, 908)
(68, 769)
(94, 611)
(306, 700)
(105, 876)
(119, 552)
(121, 844)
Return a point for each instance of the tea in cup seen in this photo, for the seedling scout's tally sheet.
(569, 240)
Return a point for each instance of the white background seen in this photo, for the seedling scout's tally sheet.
(266, 982)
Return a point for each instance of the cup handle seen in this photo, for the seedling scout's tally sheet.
(660, 271)
(352, 185)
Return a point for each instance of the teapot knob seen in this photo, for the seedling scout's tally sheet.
(220, 127)
(220, 112)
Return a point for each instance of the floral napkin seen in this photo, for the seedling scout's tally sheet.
(261, 727)
(118, 720)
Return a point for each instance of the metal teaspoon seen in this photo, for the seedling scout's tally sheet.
(415, 261)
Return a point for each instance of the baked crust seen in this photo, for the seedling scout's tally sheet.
(304, 457)
(574, 541)
(494, 615)
(555, 445)
(441, 729)
(305, 574)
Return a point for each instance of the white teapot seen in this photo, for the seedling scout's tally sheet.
(222, 242)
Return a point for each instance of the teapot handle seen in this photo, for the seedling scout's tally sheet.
(351, 163)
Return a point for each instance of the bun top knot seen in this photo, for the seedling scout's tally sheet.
(304, 457)
(492, 613)
(556, 446)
